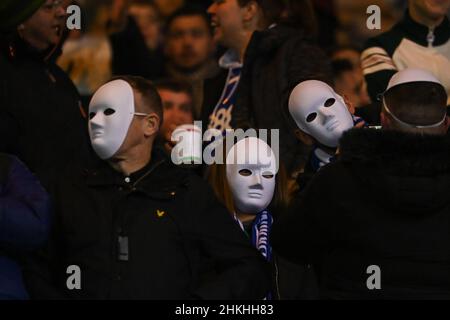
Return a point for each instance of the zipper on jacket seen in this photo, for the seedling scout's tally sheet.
(431, 37)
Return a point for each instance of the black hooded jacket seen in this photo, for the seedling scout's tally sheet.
(384, 203)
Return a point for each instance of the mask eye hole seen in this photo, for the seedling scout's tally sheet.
(268, 175)
(92, 115)
(311, 117)
(109, 112)
(329, 102)
(245, 172)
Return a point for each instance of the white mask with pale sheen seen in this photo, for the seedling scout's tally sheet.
(110, 115)
(320, 112)
(251, 168)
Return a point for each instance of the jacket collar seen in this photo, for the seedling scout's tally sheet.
(158, 176)
(396, 152)
(419, 33)
(230, 60)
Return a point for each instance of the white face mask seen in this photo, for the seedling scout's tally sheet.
(251, 168)
(320, 112)
(110, 114)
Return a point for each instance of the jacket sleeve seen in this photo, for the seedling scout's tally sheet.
(378, 68)
(24, 209)
(306, 230)
(242, 271)
(43, 274)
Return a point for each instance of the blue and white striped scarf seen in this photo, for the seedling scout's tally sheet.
(261, 227)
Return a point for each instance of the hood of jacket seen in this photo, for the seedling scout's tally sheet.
(407, 172)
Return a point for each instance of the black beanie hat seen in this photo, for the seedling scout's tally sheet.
(14, 12)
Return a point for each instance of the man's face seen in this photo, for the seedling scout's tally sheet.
(226, 20)
(432, 9)
(189, 42)
(177, 111)
(43, 30)
(148, 22)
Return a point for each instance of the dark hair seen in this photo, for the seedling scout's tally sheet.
(295, 13)
(189, 11)
(418, 103)
(177, 86)
(340, 66)
(150, 97)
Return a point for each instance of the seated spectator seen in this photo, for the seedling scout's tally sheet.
(176, 98)
(383, 205)
(137, 226)
(189, 50)
(24, 223)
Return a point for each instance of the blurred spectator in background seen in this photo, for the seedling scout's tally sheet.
(352, 19)
(148, 19)
(189, 50)
(136, 45)
(41, 118)
(87, 54)
(420, 40)
(178, 108)
(348, 77)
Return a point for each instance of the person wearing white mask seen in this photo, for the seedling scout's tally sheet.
(376, 221)
(250, 170)
(252, 187)
(321, 116)
(138, 226)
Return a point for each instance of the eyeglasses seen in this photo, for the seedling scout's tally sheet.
(52, 5)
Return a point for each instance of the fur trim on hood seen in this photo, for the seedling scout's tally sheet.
(397, 152)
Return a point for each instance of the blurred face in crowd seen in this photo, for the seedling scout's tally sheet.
(189, 42)
(177, 111)
(353, 86)
(149, 23)
(43, 30)
(227, 20)
(429, 11)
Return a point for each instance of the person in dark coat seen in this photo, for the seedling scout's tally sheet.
(41, 117)
(264, 64)
(24, 223)
(376, 222)
(137, 226)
